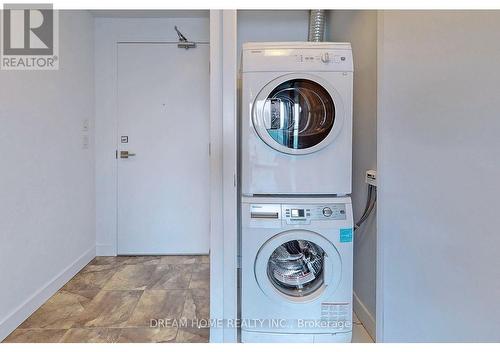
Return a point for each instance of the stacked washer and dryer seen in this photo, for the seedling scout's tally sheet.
(296, 215)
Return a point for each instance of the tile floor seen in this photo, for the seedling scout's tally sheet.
(359, 333)
(113, 299)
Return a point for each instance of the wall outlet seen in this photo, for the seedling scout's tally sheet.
(371, 177)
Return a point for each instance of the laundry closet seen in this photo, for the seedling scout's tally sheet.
(295, 172)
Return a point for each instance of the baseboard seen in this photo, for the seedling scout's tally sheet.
(364, 316)
(105, 250)
(25, 309)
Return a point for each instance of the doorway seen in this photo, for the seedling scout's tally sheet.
(163, 168)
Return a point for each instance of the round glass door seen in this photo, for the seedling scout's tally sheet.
(298, 114)
(296, 268)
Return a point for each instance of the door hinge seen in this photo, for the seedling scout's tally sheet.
(209, 149)
(116, 154)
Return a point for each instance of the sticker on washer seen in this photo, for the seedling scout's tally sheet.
(346, 235)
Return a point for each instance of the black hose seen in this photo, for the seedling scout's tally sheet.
(370, 208)
(370, 205)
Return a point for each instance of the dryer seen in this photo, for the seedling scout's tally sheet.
(296, 118)
(296, 272)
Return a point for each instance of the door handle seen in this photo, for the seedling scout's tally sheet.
(263, 215)
(125, 154)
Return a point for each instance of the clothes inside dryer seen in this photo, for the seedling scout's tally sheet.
(301, 113)
(295, 268)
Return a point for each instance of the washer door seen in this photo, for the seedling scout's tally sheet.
(298, 114)
(299, 266)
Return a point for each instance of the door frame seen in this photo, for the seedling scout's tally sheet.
(108, 32)
(223, 182)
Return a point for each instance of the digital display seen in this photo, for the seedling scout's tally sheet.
(297, 213)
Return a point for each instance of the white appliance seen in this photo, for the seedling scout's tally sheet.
(296, 118)
(296, 269)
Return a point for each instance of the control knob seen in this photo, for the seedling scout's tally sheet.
(325, 58)
(327, 212)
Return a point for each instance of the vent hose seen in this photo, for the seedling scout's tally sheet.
(317, 21)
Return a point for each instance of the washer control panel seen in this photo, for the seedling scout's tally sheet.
(299, 214)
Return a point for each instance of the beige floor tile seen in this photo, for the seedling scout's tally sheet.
(200, 277)
(118, 260)
(185, 259)
(202, 269)
(171, 276)
(204, 259)
(180, 259)
(200, 292)
(195, 283)
(35, 335)
(83, 312)
(192, 335)
(109, 309)
(131, 277)
(196, 307)
(59, 312)
(359, 334)
(143, 259)
(158, 304)
(91, 277)
(142, 335)
(91, 335)
(84, 297)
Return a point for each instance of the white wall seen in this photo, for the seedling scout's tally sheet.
(271, 26)
(360, 28)
(47, 213)
(109, 31)
(438, 159)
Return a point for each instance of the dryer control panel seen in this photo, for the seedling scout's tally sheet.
(300, 214)
(297, 57)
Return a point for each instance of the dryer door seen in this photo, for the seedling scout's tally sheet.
(299, 266)
(298, 113)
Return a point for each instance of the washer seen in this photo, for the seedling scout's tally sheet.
(296, 272)
(296, 118)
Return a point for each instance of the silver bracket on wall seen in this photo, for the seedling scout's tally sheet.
(183, 42)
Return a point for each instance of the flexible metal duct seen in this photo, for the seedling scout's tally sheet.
(317, 21)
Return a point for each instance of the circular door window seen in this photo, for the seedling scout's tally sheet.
(296, 268)
(298, 265)
(297, 115)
